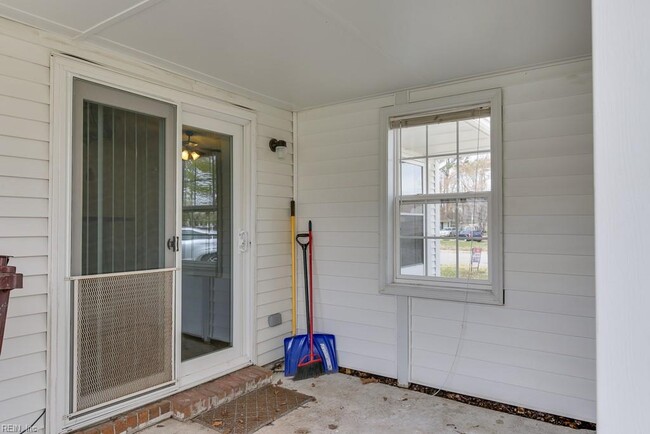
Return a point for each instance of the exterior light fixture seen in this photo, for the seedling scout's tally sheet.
(279, 147)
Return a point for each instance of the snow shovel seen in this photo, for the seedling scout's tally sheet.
(308, 365)
(325, 343)
(299, 346)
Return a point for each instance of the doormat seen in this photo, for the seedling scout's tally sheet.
(252, 411)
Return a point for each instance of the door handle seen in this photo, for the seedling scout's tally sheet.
(243, 241)
(173, 244)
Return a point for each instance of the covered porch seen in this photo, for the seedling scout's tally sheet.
(474, 173)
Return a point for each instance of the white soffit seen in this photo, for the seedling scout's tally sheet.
(304, 53)
(75, 15)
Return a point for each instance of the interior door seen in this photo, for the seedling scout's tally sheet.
(123, 203)
(210, 335)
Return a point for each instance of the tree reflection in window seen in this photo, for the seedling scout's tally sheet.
(202, 204)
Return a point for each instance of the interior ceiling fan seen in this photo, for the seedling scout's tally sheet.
(191, 150)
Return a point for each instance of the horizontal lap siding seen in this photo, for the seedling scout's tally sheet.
(24, 196)
(24, 192)
(338, 189)
(274, 193)
(538, 350)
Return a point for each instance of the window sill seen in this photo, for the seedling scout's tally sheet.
(483, 296)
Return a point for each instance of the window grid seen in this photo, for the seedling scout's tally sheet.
(425, 200)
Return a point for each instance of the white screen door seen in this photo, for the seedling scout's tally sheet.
(123, 210)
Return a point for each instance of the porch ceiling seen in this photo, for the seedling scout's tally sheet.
(303, 53)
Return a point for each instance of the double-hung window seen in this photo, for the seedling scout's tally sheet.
(442, 212)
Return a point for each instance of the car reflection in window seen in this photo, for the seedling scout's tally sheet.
(199, 245)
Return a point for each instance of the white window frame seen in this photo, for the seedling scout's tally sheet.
(490, 292)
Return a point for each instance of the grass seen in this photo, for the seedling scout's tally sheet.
(463, 246)
(464, 270)
(450, 271)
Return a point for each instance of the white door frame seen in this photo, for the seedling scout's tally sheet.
(198, 369)
(63, 70)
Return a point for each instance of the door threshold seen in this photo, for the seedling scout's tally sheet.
(186, 404)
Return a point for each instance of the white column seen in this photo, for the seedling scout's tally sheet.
(621, 52)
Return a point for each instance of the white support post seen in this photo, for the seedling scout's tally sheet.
(621, 37)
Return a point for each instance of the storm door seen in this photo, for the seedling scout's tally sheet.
(123, 245)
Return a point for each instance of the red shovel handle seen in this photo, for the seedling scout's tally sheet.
(311, 294)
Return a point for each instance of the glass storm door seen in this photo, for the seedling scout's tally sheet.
(123, 207)
(210, 299)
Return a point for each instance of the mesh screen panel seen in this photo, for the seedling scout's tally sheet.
(123, 335)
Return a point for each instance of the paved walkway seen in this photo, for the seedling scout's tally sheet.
(345, 405)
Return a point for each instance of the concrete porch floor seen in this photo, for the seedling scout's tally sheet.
(345, 405)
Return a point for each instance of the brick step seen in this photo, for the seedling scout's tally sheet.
(186, 404)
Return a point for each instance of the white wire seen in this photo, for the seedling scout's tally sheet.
(463, 322)
(458, 345)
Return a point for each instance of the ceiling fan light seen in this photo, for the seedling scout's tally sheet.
(195, 155)
(185, 155)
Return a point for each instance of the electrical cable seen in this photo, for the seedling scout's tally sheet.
(465, 303)
(32, 425)
(458, 345)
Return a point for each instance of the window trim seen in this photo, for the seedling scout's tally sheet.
(389, 283)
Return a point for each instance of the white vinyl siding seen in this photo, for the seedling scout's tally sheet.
(24, 191)
(538, 350)
(338, 189)
(24, 209)
(274, 194)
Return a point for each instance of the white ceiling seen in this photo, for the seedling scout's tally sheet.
(303, 53)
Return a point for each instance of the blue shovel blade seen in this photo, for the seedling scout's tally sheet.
(297, 347)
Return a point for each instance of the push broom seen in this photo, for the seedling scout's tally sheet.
(293, 344)
(294, 293)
